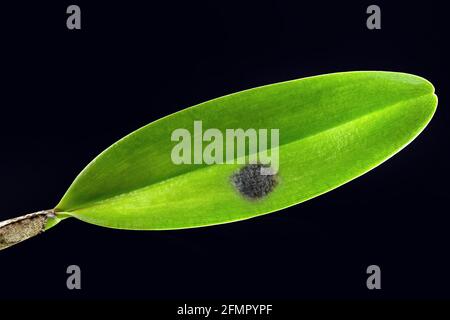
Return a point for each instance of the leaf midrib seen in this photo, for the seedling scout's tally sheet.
(200, 167)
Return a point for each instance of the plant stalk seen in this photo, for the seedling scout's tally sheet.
(18, 229)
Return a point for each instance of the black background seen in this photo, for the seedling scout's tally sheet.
(67, 95)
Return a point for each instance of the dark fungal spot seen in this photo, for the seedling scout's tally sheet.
(251, 183)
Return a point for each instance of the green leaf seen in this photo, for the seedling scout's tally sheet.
(332, 129)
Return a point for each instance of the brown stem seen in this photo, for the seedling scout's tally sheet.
(18, 229)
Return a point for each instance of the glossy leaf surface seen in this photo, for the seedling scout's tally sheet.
(332, 129)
